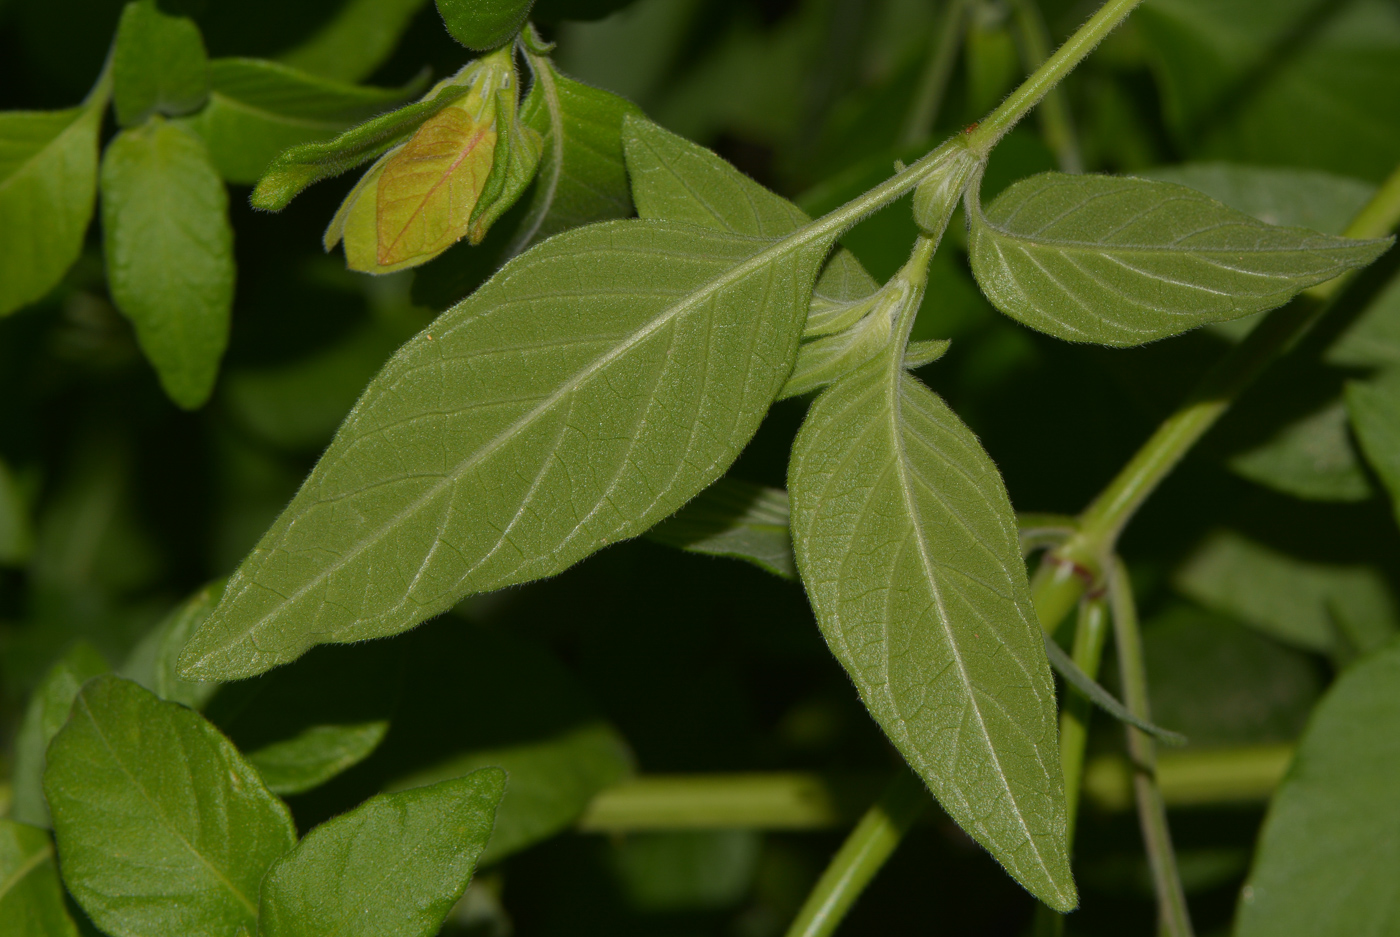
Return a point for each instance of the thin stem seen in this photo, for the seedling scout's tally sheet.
(862, 854)
(1033, 41)
(779, 801)
(1047, 76)
(1089, 636)
(933, 82)
(1152, 812)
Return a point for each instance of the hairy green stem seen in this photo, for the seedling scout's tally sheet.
(933, 82)
(1152, 811)
(1033, 41)
(862, 854)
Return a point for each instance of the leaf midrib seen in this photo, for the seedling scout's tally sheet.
(29, 865)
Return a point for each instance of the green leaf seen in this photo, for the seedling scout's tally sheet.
(1310, 458)
(511, 175)
(686, 870)
(395, 865)
(16, 535)
(737, 519)
(1374, 407)
(1327, 855)
(169, 249)
(356, 41)
(316, 755)
(303, 165)
(31, 899)
(1280, 196)
(162, 827)
(626, 347)
(1316, 606)
(47, 711)
(257, 109)
(1065, 666)
(1292, 82)
(48, 180)
(1122, 261)
(152, 663)
(483, 24)
(1373, 340)
(158, 65)
(582, 177)
(908, 547)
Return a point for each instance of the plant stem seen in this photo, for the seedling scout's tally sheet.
(1089, 636)
(1152, 812)
(1034, 42)
(933, 82)
(1048, 75)
(862, 854)
(786, 801)
(1194, 778)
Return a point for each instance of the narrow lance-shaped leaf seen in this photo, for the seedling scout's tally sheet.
(162, 827)
(395, 865)
(158, 64)
(31, 899)
(1065, 666)
(737, 519)
(1122, 261)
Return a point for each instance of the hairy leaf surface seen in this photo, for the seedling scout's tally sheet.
(162, 827)
(31, 898)
(592, 387)
(1122, 261)
(1327, 856)
(169, 249)
(483, 24)
(737, 519)
(910, 555)
(158, 65)
(395, 865)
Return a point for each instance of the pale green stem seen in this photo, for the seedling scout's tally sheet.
(1172, 912)
(1033, 40)
(1089, 635)
(933, 82)
(862, 854)
(778, 801)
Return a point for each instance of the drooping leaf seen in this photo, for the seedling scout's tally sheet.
(1331, 841)
(393, 866)
(1374, 407)
(257, 109)
(317, 755)
(47, 711)
(162, 827)
(356, 41)
(1294, 82)
(483, 24)
(1316, 606)
(1065, 666)
(48, 180)
(1309, 458)
(31, 899)
(158, 65)
(582, 177)
(152, 663)
(169, 249)
(909, 551)
(1122, 261)
(16, 535)
(734, 518)
(628, 345)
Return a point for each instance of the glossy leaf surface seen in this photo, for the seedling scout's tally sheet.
(315, 756)
(1121, 261)
(48, 181)
(591, 388)
(1331, 842)
(394, 866)
(736, 519)
(31, 898)
(162, 826)
(483, 24)
(47, 711)
(152, 663)
(909, 551)
(158, 65)
(169, 250)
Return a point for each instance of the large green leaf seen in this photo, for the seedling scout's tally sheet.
(1122, 261)
(737, 519)
(258, 108)
(1375, 413)
(31, 899)
(582, 177)
(483, 24)
(158, 65)
(1291, 82)
(908, 547)
(152, 663)
(169, 249)
(48, 178)
(1311, 457)
(395, 865)
(1327, 856)
(356, 41)
(47, 711)
(162, 827)
(591, 388)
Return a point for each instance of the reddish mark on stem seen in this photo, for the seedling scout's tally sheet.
(971, 127)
